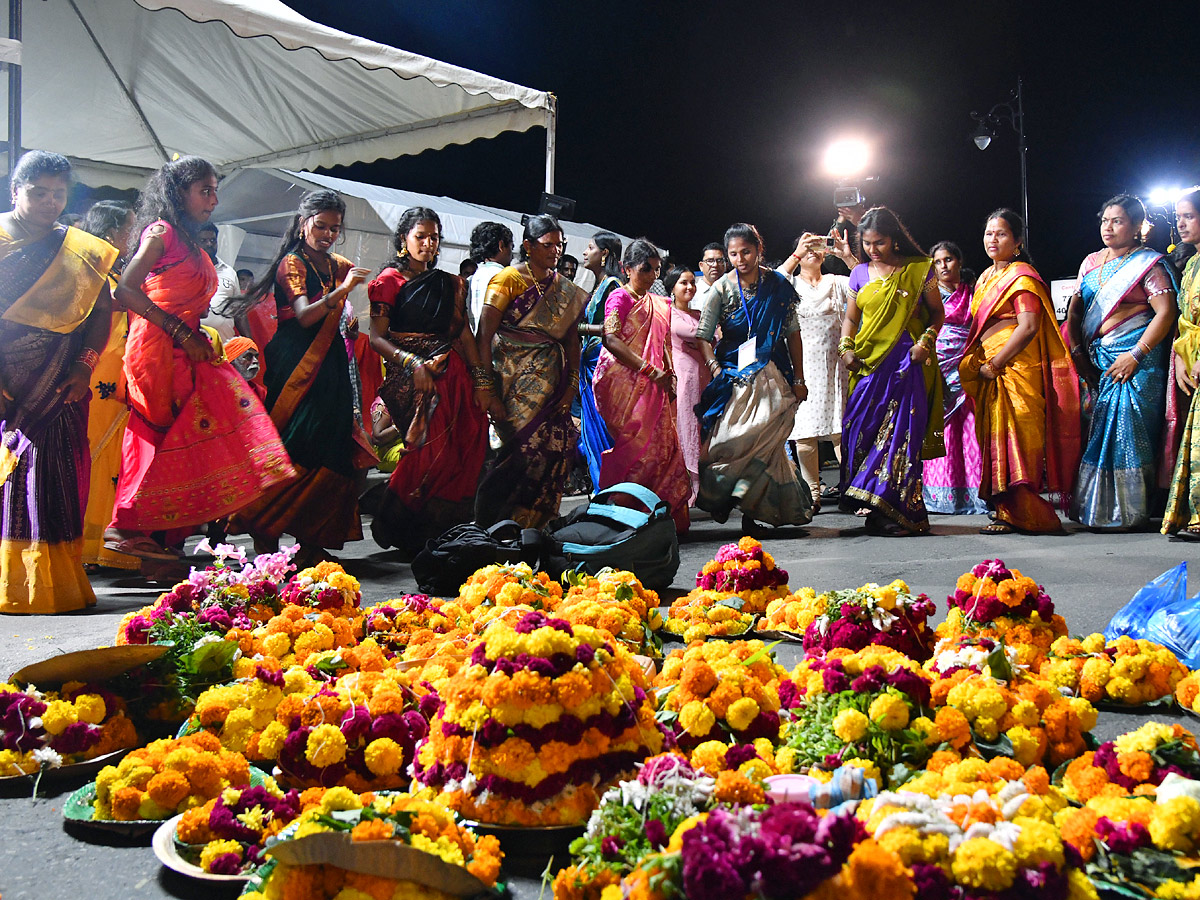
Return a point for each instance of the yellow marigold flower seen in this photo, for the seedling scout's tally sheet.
(1079, 886)
(1026, 713)
(1038, 842)
(90, 708)
(59, 715)
(270, 741)
(612, 892)
(696, 718)
(889, 712)
(1174, 824)
(983, 864)
(339, 798)
(987, 728)
(741, 713)
(850, 725)
(1025, 745)
(213, 849)
(326, 746)
(1179, 890)
(925, 727)
(384, 757)
(989, 703)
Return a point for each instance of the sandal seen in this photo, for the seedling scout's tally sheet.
(1191, 533)
(141, 546)
(997, 528)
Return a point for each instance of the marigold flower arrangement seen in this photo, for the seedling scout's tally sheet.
(1187, 692)
(298, 633)
(747, 570)
(541, 718)
(415, 619)
(514, 584)
(1019, 716)
(865, 708)
(725, 690)
(889, 615)
(795, 612)
(167, 777)
(226, 835)
(634, 819)
(56, 728)
(783, 850)
(616, 601)
(1125, 671)
(996, 602)
(975, 654)
(947, 774)
(399, 818)
(325, 586)
(982, 844)
(703, 613)
(1133, 763)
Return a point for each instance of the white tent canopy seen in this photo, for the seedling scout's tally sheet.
(243, 83)
(256, 205)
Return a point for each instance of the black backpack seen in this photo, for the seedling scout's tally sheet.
(450, 559)
(604, 535)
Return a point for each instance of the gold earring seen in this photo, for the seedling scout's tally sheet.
(403, 252)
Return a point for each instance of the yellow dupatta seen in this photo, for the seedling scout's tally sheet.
(63, 296)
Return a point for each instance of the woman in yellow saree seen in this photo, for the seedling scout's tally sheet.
(1026, 391)
(1182, 516)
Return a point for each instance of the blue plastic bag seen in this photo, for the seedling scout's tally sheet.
(1133, 618)
(1176, 626)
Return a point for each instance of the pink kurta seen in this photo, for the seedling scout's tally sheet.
(693, 378)
(640, 415)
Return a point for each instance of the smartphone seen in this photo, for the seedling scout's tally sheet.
(829, 245)
(847, 196)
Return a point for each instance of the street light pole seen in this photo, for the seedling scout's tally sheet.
(1013, 112)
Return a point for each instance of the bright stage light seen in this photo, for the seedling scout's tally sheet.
(847, 157)
(1163, 196)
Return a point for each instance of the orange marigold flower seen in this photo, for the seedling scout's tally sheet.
(372, 830)
(734, 787)
(168, 788)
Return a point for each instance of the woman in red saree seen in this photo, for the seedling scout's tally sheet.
(1017, 370)
(634, 386)
(309, 392)
(435, 391)
(199, 444)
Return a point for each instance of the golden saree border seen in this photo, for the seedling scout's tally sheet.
(305, 373)
(63, 297)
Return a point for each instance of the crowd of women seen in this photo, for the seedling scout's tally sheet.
(128, 425)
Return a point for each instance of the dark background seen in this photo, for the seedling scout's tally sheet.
(676, 119)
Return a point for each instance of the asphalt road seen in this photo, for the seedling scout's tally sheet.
(1089, 576)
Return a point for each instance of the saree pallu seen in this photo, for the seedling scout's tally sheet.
(1183, 496)
(891, 422)
(198, 444)
(44, 458)
(443, 432)
(525, 479)
(747, 414)
(691, 377)
(952, 481)
(107, 415)
(595, 433)
(1026, 419)
(645, 442)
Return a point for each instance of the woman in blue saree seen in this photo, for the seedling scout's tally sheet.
(894, 412)
(603, 258)
(747, 411)
(1118, 321)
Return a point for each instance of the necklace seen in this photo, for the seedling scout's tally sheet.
(641, 296)
(325, 288)
(1100, 277)
(537, 287)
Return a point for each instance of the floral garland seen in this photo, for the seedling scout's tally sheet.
(747, 570)
(298, 633)
(543, 714)
(325, 586)
(1125, 671)
(513, 584)
(1133, 763)
(226, 835)
(721, 689)
(167, 777)
(416, 620)
(864, 708)
(703, 613)
(50, 729)
(616, 601)
(891, 616)
(974, 654)
(1022, 717)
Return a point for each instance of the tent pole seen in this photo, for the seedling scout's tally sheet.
(14, 88)
(551, 125)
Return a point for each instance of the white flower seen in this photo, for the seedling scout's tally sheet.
(35, 722)
(207, 639)
(882, 619)
(47, 758)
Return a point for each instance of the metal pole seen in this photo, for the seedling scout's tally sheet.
(1022, 148)
(14, 88)
(551, 126)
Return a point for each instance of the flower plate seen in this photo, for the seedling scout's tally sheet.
(81, 804)
(768, 634)
(85, 769)
(748, 634)
(163, 844)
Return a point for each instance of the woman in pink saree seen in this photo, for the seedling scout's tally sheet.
(634, 387)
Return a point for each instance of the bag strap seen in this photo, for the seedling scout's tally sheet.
(505, 525)
(634, 518)
(642, 494)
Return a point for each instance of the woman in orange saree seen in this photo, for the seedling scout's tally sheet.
(634, 386)
(54, 317)
(309, 392)
(198, 445)
(1026, 392)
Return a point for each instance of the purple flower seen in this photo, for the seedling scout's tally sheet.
(931, 881)
(835, 680)
(789, 697)
(871, 680)
(356, 722)
(76, 738)
(585, 654)
(137, 630)
(610, 847)
(270, 676)
(657, 769)
(656, 833)
(738, 754)
(226, 864)
(1124, 837)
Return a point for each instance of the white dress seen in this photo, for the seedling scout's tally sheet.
(820, 313)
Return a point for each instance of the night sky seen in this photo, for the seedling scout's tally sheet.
(677, 119)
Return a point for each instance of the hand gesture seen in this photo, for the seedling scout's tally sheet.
(1122, 368)
(841, 242)
(808, 241)
(352, 328)
(919, 354)
(356, 276)
(422, 378)
(1183, 377)
(198, 348)
(851, 361)
(75, 385)
(800, 392)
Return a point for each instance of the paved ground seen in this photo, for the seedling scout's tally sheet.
(1089, 576)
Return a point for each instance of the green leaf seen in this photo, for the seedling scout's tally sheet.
(1002, 746)
(759, 654)
(209, 659)
(998, 662)
(734, 602)
(624, 592)
(330, 665)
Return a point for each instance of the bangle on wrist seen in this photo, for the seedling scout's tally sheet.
(795, 257)
(89, 358)
(646, 369)
(1137, 353)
